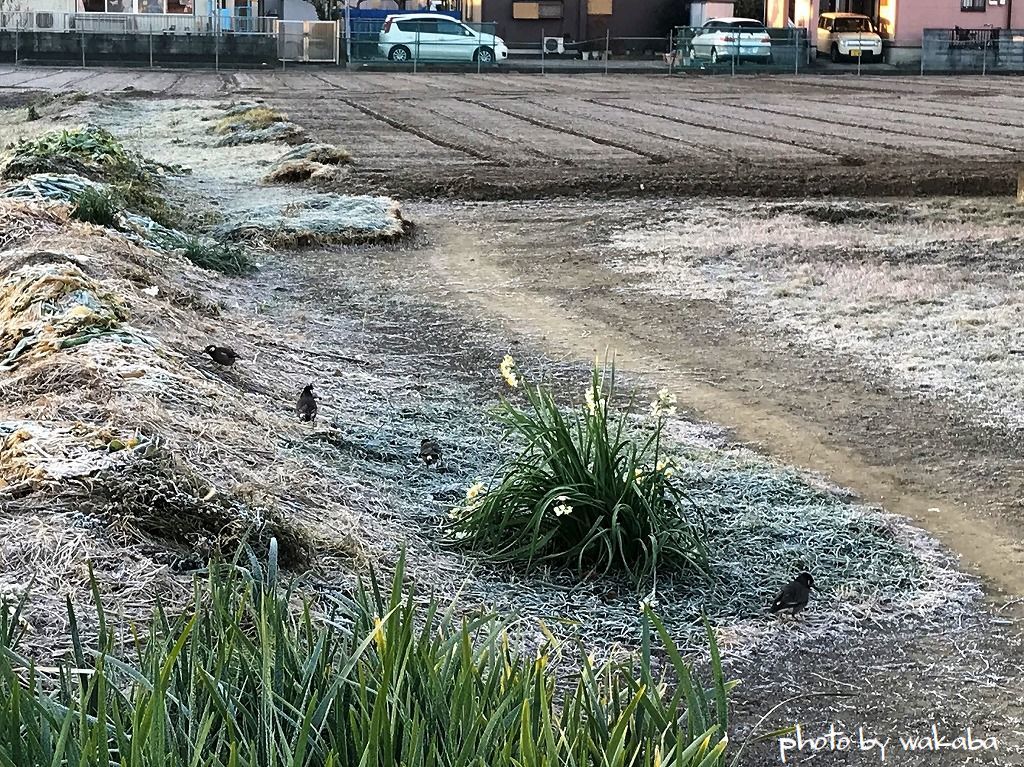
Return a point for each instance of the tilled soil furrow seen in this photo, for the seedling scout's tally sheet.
(423, 134)
(548, 125)
(676, 118)
(842, 117)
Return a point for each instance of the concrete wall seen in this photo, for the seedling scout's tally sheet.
(129, 49)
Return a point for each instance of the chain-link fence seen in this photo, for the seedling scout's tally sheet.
(414, 41)
(424, 42)
(138, 39)
(740, 49)
(972, 51)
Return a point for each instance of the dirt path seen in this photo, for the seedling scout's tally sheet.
(911, 456)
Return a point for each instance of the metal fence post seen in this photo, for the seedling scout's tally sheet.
(17, 33)
(924, 50)
(543, 50)
(796, 52)
(348, 37)
(860, 51)
(984, 56)
(151, 48)
(216, 44)
(416, 56)
(671, 52)
(607, 48)
(82, 40)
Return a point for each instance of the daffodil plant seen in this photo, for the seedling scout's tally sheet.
(591, 490)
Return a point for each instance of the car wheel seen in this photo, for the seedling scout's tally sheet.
(400, 53)
(835, 53)
(484, 56)
(714, 55)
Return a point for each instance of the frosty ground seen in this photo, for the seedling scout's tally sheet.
(733, 304)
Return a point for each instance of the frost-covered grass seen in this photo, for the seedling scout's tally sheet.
(932, 306)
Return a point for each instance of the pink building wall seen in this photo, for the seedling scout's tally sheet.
(903, 21)
(914, 16)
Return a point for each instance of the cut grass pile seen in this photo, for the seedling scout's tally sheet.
(315, 162)
(54, 305)
(316, 220)
(100, 204)
(245, 124)
(251, 675)
(589, 491)
(94, 153)
(250, 118)
(120, 444)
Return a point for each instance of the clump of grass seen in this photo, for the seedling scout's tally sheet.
(250, 675)
(96, 206)
(225, 258)
(589, 491)
(33, 113)
(256, 118)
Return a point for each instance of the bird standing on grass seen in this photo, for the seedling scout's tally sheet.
(222, 355)
(795, 595)
(430, 451)
(307, 405)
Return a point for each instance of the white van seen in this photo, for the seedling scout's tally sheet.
(436, 37)
(848, 35)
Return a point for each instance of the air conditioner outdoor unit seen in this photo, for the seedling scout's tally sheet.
(554, 45)
(44, 21)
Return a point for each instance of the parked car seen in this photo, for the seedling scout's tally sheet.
(436, 37)
(732, 38)
(848, 35)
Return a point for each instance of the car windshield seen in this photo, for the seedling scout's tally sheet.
(853, 25)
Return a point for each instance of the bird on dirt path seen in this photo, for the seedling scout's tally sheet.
(795, 595)
(222, 355)
(306, 406)
(430, 451)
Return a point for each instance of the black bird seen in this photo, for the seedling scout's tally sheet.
(307, 404)
(430, 451)
(795, 595)
(222, 355)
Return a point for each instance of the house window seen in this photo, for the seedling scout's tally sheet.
(549, 10)
(972, 5)
(545, 9)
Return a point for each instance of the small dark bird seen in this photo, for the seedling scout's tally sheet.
(795, 595)
(222, 355)
(430, 451)
(307, 404)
